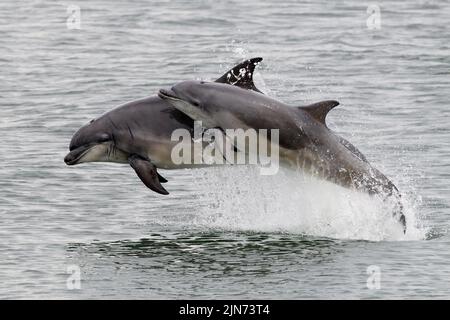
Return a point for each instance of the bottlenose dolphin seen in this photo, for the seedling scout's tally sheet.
(305, 141)
(139, 132)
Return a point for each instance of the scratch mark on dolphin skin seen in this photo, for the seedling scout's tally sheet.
(114, 139)
(109, 150)
(112, 122)
(131, 132)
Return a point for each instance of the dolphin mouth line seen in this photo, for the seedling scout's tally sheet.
(168, 94)
(74, 156)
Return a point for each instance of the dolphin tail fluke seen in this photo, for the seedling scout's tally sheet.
(242, 75)
(146, 171)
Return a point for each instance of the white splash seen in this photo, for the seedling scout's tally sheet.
(238, 198)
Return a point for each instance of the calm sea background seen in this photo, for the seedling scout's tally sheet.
(223, 232)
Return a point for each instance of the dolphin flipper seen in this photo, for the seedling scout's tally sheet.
(161, 178)
(221, 147)
(242, 75)
(146, 171)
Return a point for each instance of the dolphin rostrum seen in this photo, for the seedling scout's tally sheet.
(139, 132)
(305, 141)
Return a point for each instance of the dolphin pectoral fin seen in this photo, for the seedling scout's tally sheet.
(242, 75)
(227, 139)
(320, 109)
(146, 171)
(161, 178)
(228, 157)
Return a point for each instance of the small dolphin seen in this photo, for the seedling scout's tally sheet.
(139, 132)
(305, 141)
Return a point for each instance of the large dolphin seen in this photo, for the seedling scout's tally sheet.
(305, 141)
(139, 132)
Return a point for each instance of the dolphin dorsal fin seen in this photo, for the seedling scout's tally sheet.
(242, 74)
(320, 109)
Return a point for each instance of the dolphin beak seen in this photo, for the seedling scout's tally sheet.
(75, 155)
(168, 94)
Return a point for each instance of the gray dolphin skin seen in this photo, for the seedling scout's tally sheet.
(139, 132)
(305, 141)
